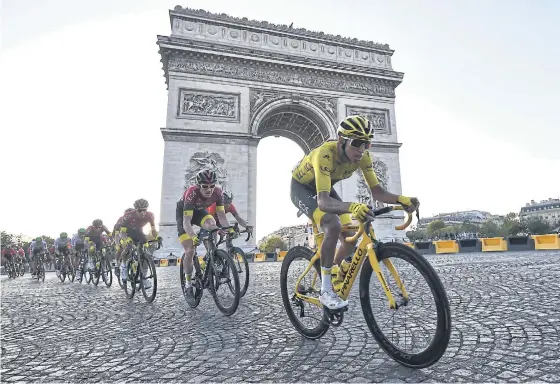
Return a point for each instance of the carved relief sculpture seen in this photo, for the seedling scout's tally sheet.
(255, 72)
(206, 160)
(363, 195)
(260, 98)
(379, 117)
(208, 105)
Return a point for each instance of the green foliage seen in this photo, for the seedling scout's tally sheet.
(435, 227)
(270, 244)
(489, 229)
(537, 226)
(469, 227)
(416, 235)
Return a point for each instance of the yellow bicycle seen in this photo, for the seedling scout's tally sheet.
(424, 292)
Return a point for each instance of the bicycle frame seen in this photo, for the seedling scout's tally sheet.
(365, 247)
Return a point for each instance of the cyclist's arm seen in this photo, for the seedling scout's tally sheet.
(240, 220)
(377, 191)
(222, 216)
(381, 194)
(152, 224)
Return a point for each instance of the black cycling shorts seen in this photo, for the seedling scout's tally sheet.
(304, 198)
(198, 216)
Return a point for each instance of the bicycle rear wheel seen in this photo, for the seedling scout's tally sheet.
(308, 319)
(242, 266)
(223, 274)
(70, 272)
(150, 275)
(106, 272)
(41, 274)
(414, 271)
(132, 277)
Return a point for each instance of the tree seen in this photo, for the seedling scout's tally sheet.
(537, 226)
(469, 227)
(416, 235)
(271, 243)
(511, 225)
(489, 229)
(435, 227)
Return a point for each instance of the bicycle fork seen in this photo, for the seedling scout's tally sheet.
(389, 265)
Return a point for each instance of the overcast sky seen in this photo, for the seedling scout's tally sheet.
(83, 97)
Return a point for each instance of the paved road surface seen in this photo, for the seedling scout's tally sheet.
(505, 309)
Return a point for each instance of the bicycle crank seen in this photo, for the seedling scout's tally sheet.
(336, 317)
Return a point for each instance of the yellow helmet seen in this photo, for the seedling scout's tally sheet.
(356, 127)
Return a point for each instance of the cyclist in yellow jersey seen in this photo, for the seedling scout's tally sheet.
(312, 192)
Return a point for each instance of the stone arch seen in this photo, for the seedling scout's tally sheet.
(299, 120)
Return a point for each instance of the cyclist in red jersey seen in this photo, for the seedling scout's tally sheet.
(131, 231)
(117, 234)
(227, 197)
(191, 210)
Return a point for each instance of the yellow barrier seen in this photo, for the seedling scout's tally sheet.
(281, 255)
(163, 262)
(259, 257)
(446, 246)
(494, 244)
(411, 245)
(547, 241)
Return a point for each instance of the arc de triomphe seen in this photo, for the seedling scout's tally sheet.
(233, 81)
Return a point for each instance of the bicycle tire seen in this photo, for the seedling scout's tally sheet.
(241, 265)
(130, 286)
(71, 273)
(118, 273)
(42, 272)
(152, 267)
(225, 258)
(439, 344)
(104, 267)
(323, 327)
(96, 274)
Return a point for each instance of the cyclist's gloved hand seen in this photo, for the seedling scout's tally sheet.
(249, 228)
(195, 240)
(410, 203)
(361, 211)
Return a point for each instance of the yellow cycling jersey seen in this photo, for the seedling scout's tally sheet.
(321, 168)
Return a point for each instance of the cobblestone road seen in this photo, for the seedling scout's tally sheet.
(506, 327)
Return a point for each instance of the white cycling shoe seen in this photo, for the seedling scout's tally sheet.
(332, 301)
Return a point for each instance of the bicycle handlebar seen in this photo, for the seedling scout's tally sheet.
(382, 211)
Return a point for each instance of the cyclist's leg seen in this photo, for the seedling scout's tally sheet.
(125, 241)
(200, 218)
(345, 248)
(304, 198)
(137, 236)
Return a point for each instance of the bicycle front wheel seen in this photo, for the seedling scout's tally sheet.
(224, 282)
(424, 317)
(308, 319)
(242, 266)
(132, 277)
(148, 282)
